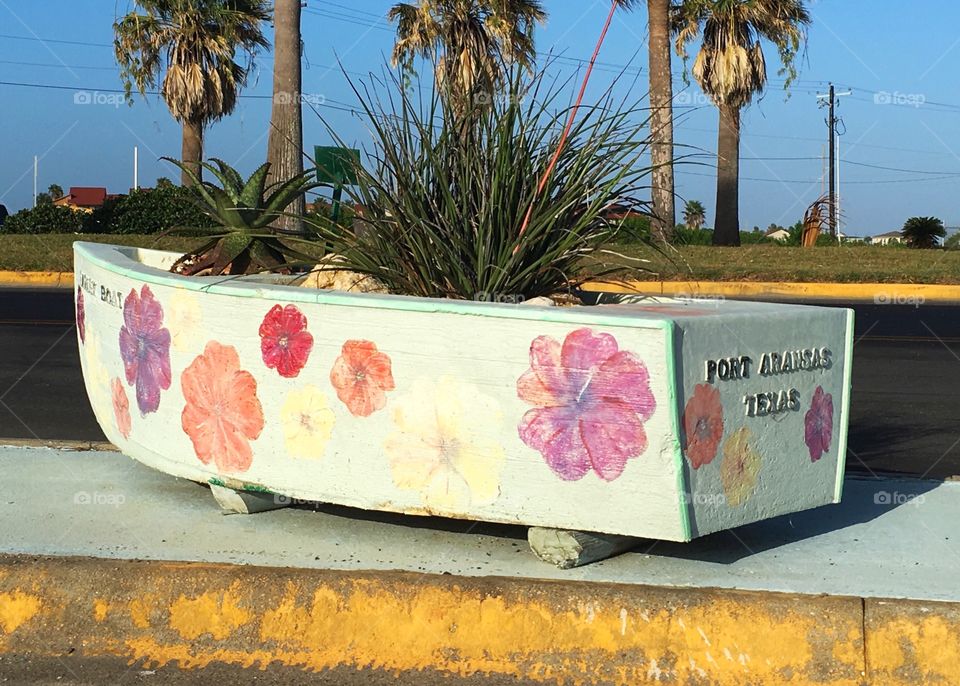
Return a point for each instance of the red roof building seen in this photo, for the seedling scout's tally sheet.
(83, 198)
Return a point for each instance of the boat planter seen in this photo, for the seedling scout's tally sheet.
(664, 420)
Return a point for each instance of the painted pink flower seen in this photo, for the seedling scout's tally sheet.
(121, 407)
(818, 424)
(145, 348)
(222, 412)
(362, 375)
(285, 342)
(81, 316)
(703, 425)
(590, 402)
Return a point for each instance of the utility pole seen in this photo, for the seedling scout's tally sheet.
(136, 165)
(34, 180)
(832, 126)
(831, 100)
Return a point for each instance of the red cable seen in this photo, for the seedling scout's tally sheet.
(573, 116)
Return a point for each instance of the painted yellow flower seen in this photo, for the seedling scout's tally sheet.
(184, 321)
(307, 423)
(445, 444)
(740, 467)
(96, 376)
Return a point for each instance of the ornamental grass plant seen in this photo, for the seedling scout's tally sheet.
(444, 190)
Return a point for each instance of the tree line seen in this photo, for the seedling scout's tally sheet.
(200, 53)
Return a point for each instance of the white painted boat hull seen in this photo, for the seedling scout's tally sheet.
(641, 420)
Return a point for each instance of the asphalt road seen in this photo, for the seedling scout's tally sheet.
(904, 409)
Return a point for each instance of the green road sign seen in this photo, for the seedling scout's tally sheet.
(336, 165)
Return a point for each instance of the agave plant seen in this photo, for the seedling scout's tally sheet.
(442, 212)
(243, 241)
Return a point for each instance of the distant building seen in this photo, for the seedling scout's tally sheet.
(84, 198)
(777, 234)
(853, 239)
(887, 238)
(619, 211)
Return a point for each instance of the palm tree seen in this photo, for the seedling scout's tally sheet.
(661, 118)
(923, 232)
(730, 69)
(694, 214)
(471, 42)
(285, 144)
(195, 42)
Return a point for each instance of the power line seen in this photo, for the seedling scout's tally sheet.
(375, 15)
(58, 66)
(815, 181)
(329, 14)
(899, 169)
(57, 40)
(328, 103)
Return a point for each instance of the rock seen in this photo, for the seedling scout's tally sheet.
(326, 275)
(542, 301)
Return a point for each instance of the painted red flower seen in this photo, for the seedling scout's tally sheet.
(285, 342)
(145, 348)
(121, 407)
(362, 375)
(703, 425)
(818, 424)
(81, 316)
(222, 413)
(591, 400)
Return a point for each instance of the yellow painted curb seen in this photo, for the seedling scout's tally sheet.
(194, 616)
(880, 293)
(911, 642)
(51, 279)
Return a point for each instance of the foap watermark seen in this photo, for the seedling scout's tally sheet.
(482, 98)
(898, 299)
(286, 98)
(503, 298)
(98, 98)
(287, 501)
(692, 99)
(700, 298)
(893, 498)
(703, 499)
(96, 498)
(898, 98)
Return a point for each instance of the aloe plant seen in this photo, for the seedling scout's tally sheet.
(243, 240)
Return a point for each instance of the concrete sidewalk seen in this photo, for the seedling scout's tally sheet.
(887, 539)
(357, 597)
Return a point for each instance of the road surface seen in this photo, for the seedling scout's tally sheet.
(904, 408)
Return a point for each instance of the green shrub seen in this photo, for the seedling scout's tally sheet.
(148, 211)
(45, 218)
(634, 230)
(683, 235)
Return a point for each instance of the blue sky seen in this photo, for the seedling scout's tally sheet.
(900, 152)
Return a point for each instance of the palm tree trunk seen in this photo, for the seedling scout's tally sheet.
(726, 231)
(661, 119)
(285, 145)
(191, 152)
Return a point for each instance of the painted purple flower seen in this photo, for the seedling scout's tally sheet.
(81, 316)
(145, 348)
(591, 400)
(818, 424)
